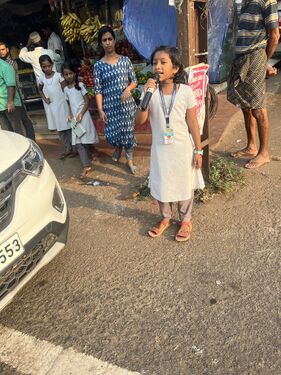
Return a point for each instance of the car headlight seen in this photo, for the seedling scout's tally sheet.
(58, 202)
(33, 160)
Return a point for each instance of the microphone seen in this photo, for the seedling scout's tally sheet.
(146, 99)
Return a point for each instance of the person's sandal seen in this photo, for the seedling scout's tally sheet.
(183, 234)
(85, 172)
(116, 155)
(159, 228)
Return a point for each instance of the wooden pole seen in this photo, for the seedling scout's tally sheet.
(192, 41)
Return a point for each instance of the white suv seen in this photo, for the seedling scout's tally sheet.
(33, 213)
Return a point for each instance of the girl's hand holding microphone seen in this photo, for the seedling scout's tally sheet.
(151, 83)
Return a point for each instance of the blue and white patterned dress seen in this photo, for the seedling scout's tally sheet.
(110, 81)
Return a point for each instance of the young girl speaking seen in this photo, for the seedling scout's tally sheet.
(176, 158)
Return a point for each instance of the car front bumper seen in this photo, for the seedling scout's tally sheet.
(39, 251)
(40, 220)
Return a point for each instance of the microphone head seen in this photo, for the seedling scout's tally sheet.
(156, 77)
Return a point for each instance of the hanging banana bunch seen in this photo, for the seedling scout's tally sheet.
(118, 17)
(71, 27)
(89, 29)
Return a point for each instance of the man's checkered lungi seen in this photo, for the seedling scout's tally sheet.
(246, 82)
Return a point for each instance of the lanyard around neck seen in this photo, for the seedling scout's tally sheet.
(166, 111)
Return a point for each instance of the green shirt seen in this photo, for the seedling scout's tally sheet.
(7, 79)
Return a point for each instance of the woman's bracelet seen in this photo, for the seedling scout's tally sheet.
(198, 152)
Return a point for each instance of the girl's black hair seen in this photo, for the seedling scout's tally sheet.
(180, 76)
(103, 30)
(43, 58)
(73, 68)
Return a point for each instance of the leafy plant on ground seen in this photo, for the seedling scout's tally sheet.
(143, 190)
(225, 176)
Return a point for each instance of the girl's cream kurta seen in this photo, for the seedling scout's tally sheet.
(57, 110)
(76, 101)
(172, 175)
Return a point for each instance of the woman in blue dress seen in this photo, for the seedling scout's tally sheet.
(114, 81)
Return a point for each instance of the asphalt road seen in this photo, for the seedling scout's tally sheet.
(208, 307)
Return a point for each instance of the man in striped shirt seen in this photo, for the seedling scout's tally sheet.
(257, 39)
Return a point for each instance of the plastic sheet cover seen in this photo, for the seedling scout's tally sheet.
(220, 38)
(148, 24)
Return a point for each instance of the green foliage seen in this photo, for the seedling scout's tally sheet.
(144, 189)
(225, 176)
(142, 78)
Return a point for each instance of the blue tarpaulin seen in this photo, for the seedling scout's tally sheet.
(220, 38)
(148, 24)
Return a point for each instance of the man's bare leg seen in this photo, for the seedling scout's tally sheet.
(251, 128)
(262, 157)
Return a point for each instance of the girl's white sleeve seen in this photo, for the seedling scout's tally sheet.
(83, 89)
(41, 80)
(66, 94)
(61, 79)
(190, 98)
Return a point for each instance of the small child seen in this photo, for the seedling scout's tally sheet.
(51, 86)
(78, 101)
(176, 158)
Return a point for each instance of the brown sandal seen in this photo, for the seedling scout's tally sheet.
(183, 234)
(85, 172)
(159, 228)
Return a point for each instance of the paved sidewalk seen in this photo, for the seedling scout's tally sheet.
(209, 306)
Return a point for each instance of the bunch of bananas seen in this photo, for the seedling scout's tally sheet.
(118, 17)
(89, 29)
(71, 27)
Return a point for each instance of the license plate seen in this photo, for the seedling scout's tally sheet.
(10, 250)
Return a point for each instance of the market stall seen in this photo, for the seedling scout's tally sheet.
(17, 20)
(77, 22)
(80, 22)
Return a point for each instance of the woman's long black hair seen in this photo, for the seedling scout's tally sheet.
(180, 76)
(67, 65)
